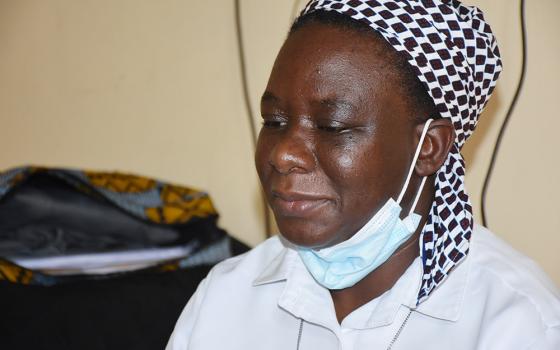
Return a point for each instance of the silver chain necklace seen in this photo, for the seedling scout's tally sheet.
(393, 341)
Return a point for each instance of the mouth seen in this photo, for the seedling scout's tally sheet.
(296, 204)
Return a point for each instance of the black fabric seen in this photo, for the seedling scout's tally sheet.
(45, 216)
(42, 215)
(135, 311)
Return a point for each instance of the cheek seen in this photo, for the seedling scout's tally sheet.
(348, 162)
(261, 157)
(357, 172)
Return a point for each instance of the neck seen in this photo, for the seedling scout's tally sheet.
(386, 275)
(377, 282)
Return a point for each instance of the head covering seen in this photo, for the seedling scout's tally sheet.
(455, 55)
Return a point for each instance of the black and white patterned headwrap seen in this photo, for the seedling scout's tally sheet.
(455, 55)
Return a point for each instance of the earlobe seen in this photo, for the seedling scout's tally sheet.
(436, 147)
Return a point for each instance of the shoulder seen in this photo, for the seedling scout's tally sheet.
(499, 271)
(248, 266)
(223, 298)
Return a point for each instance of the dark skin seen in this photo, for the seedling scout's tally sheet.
(337, 141)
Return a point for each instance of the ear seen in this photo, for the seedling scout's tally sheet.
(437, 144)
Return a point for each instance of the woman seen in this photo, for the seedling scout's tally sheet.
(365, 111)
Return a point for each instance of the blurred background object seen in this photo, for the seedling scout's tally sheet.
(95, 260)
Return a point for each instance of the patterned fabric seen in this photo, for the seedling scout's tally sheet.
(144, 198)
(455, 55)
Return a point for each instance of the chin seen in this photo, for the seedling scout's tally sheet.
(302, 233)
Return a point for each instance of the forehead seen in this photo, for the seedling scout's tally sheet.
(324, 61)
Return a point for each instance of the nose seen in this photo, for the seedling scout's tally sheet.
(292, 152)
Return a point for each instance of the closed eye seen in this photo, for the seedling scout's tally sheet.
(273, 124)
(274, 121)
(333, 129)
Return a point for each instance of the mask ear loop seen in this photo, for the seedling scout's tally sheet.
(414, 160)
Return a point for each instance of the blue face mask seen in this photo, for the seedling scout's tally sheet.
(343, 265)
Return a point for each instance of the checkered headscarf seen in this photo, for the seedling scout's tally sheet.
(455, 55)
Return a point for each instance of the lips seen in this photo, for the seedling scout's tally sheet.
(297, 204)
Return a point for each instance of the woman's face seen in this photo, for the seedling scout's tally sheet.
(337, 135)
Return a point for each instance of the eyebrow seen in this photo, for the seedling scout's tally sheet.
(269, 97)
(333, 103)
(337, 103)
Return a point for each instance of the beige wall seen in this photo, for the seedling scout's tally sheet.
(153, 87)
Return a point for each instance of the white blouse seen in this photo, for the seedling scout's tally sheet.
(496, 299)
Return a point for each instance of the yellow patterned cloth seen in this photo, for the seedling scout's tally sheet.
(144, 198)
